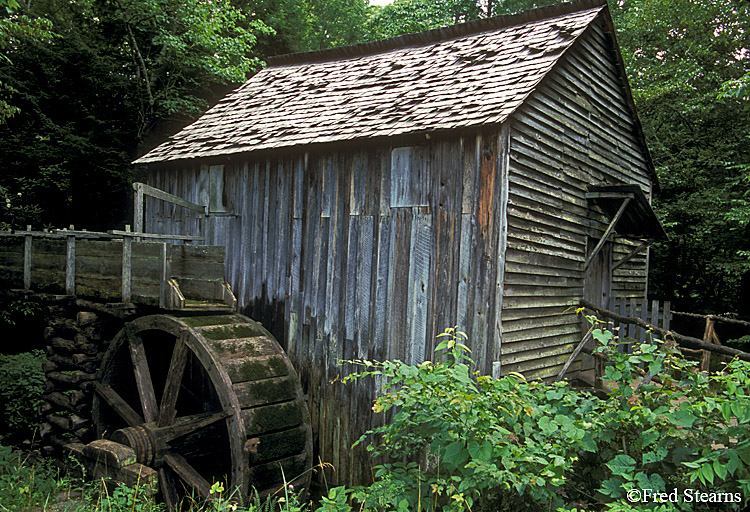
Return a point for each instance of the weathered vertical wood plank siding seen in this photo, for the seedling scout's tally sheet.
(572, 132)
(367, 254)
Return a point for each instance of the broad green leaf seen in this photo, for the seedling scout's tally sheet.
(734, 463)
(588, 443)
(657, 455)
(726, 411)
(455, 454)
(648, 437)
(622, 464)
(745, 455)
(682, 418)
(707, 471)
(612, 487)
(611, 373)
(720, 470)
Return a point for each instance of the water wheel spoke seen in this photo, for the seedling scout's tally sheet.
(189, 424)
(167, 408)
(119, 405)
(168, 489)
(143, 378)
(188, 473)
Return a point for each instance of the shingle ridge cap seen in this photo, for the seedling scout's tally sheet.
(435, 35)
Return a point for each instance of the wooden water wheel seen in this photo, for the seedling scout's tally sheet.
(199, 400)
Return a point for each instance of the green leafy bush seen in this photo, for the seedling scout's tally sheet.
(496, 444)
(458, 441)
(666, 425)
(24, 486)
(21, 385)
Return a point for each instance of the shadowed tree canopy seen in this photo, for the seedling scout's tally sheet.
(305, 25)
(84, 82)
(409, 16)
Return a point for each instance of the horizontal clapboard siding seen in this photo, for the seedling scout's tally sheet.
(574, 131)
(361, 254)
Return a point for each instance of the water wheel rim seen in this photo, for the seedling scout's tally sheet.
(152, 411)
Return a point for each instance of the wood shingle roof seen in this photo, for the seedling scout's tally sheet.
(439, 80)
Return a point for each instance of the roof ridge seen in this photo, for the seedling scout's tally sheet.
(435, 35)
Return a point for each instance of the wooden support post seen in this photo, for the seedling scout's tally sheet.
(574, 354)
(644, 318)
(608, 232)
(138, 209)
(655, 313)
(623, 332)
(70, 264)
(632, 254)
(496, 369)
(163, 286)
(27, 259)
(708, 337)
(127, 242)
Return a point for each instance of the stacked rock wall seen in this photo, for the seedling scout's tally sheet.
(77, 335)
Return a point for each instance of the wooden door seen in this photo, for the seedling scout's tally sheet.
(597, 287)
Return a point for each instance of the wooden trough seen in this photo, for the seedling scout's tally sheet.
(117, 266)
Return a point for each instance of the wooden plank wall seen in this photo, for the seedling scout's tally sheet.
(574, 131)
(367, 254)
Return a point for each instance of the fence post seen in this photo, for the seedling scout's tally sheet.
(127, 242)
(644, 316)
(138, 209)
(27, 259)
(163, 285)
(70, 264)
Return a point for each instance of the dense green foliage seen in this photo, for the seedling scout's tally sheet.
(509, 444)
(29, 483)
(82, 94)
(305, 25)
(21, 383)
(409, 16)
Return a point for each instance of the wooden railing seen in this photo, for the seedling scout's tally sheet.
(681, 340)
(141, 190)
(709, 333)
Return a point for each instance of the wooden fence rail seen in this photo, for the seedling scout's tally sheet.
(653, 313)
(682, 340)
(709, 333)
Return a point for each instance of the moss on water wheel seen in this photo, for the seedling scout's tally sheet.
(205, 399)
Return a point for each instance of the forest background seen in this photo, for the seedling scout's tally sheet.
(87, 85)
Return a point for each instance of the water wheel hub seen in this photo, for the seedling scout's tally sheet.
(141, 440)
